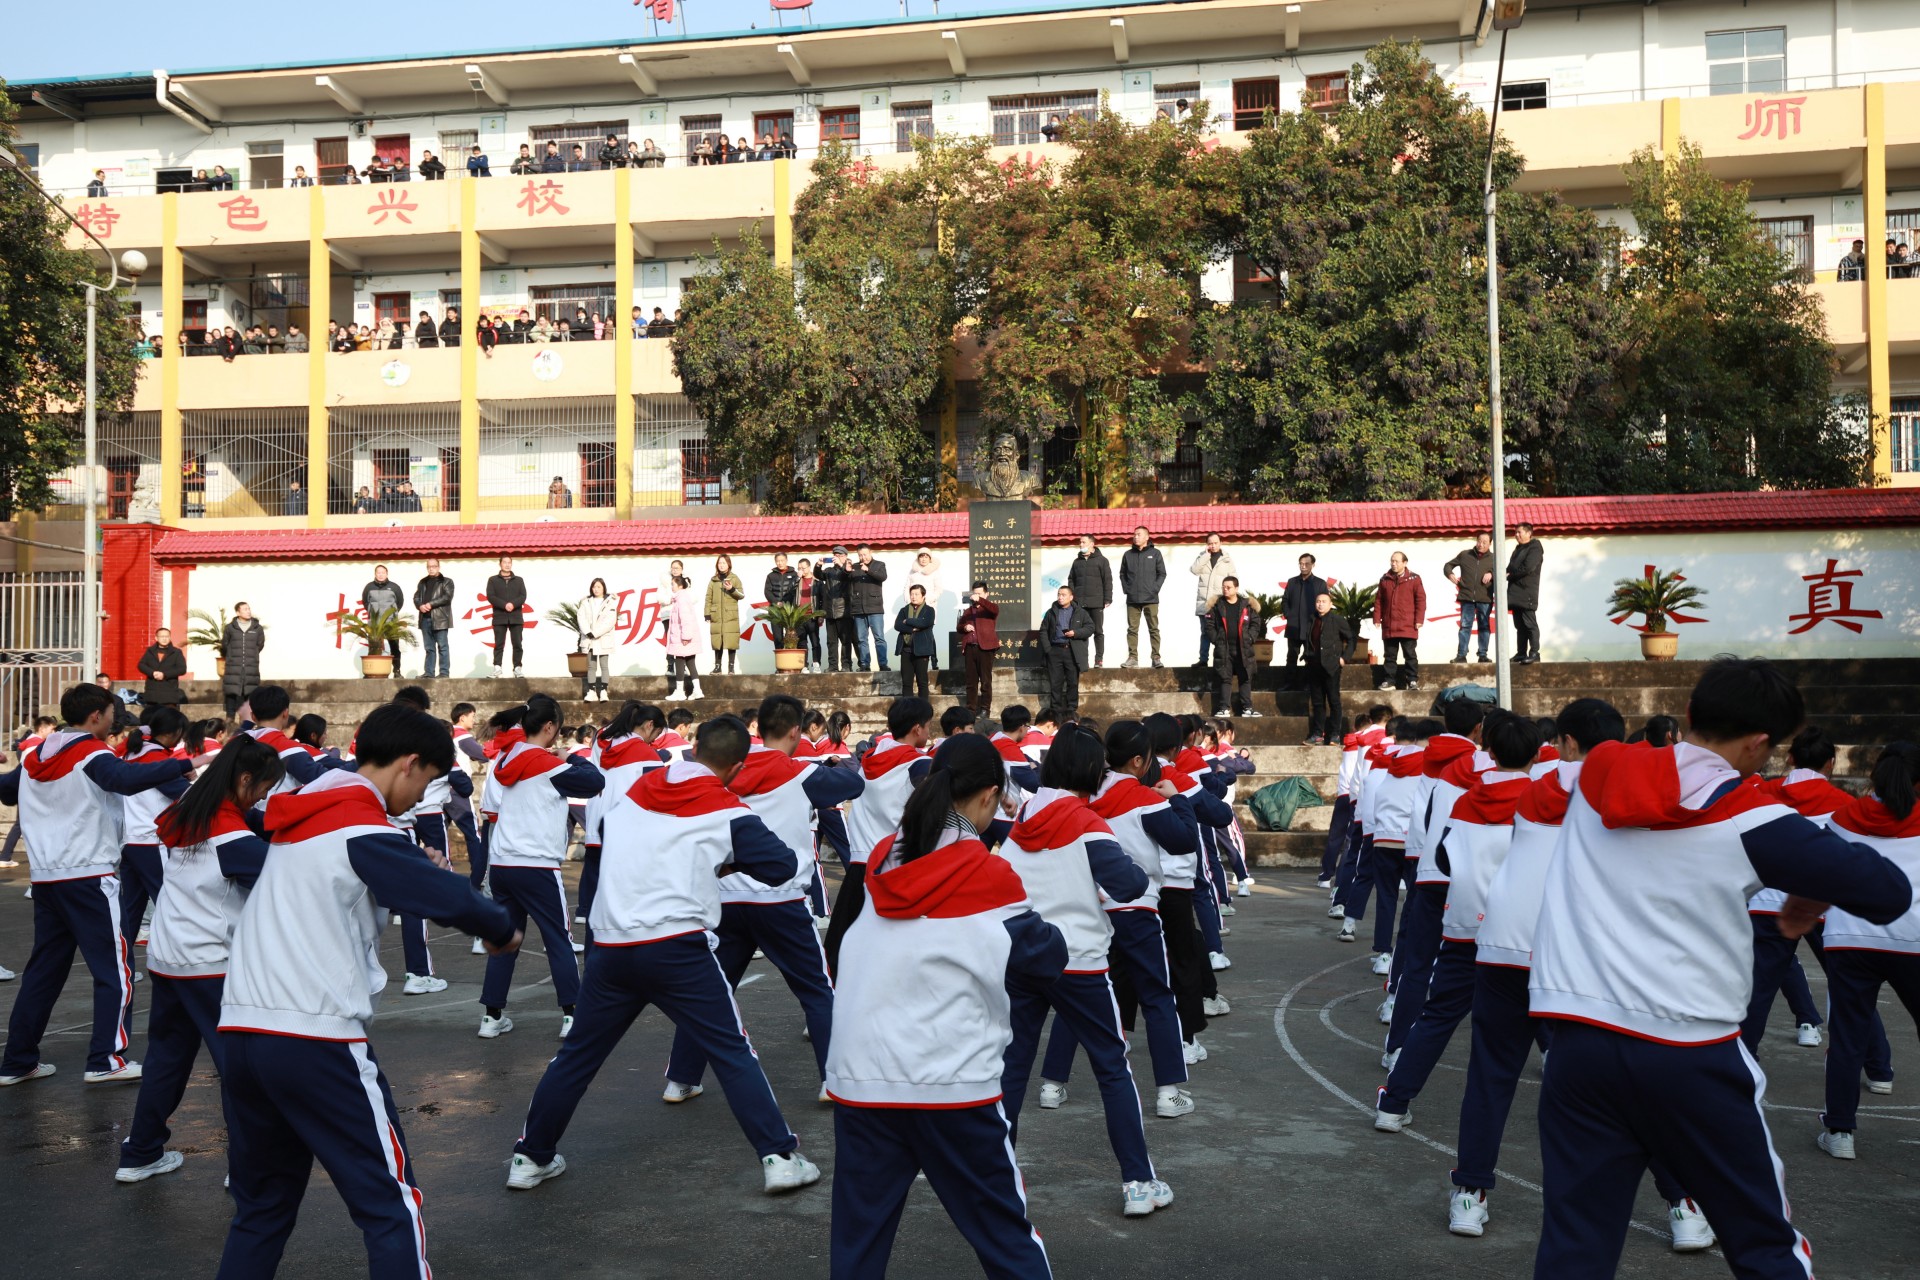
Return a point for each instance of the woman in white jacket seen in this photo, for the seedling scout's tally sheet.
(598, 617)
(926, 573)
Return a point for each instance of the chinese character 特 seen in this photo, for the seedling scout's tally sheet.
(1778, 116)
(1830, 599)
(392, 201)
(243, 214)
(97, 218)
(539, 199)
(339, 614)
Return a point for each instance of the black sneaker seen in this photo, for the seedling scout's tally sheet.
(1461, 660)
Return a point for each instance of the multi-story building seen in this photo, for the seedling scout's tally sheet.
(1818, 106)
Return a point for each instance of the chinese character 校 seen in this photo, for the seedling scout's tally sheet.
(539, 199)
(1830, 599)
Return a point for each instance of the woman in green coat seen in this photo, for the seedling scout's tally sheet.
(724, 594)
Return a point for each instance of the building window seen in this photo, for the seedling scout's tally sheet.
(693, 129)
(455, 143)
(1252, 99)
(596, 474)
(1523, 95)
(841, 123)
(29, 154)
(771, 124)
(559, 302)
(266, 165)
(1747, 61)
(330, 160)
(1017, 120)
(1904, 433)
(699, 476)
(911, 120)
(590, 134)
(1168, 97)
(1186, 473)
(390, 467)
(1324, 92)
(449, 479)
(1793, 237)
(193, 318)
(123, 477)
(193, 486)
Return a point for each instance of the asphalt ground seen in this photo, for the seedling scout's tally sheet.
(1277, 1173)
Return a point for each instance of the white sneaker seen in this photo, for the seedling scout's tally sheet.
(694, 693)
(824, 1095)
(167, 1163)
(125, 1073)
(1346, 931)
(1879, 1086)
(6, 974)
(525, 1175)
(1691, 1233)
(1389, 1060)
(1336, 912)
(498, 672)
(1808, 1036)
(1172, 1103)
(1226, 931)
(1228, 909)
(10, 862)
(1218, 960)
(40, 1069)
(677, 1092)
(1324, 884)
(566, 1024)
(491, 1026)
(788, 1172)
(1467, 1212)
(422, 984)
(1383, 963)
(1385, 1012)
(1386, 1121)
(579, 948)
(1138, 1199)
(1246, 888)
(1052, 1095)
(1193, 1051)
(517, 675)
(1215, 1006)
(479, 947)
(1836, 1144)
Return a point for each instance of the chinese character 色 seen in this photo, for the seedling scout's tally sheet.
(243, 214)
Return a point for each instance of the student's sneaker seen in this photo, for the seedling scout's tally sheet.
(1217, 960)
(1246, 887)
(1382, 687)
(1808, 1037)
(39, 1069)
(1385, 1012)
(479, 947)
(9, 863)
(423, 984)
(1691, 1233)
(1346, 931)
(1193, 1051)
(1413, 686)
(167, 1163)
(1172, 1103)
(1383, 963)
(125, 1073)
(1836, 1144)
(1386, 1121)
(1052, 1095)
(1138, 1199)
(1226, 930)
(1389, 1060)
(1467, 1212)
(579, 948)
(788, 1172)
(6, 974)
(677, 1092)
(525, 1174)
(1336, 912)
(490, 1026)
(1879, 1086)
(824, 1096)
(1251, 714)
(1228, 909)
(1215, 1006)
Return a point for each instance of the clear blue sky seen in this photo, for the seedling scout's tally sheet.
(110, 36)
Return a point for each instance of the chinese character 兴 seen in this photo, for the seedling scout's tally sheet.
(1830, 599)
(395, 202)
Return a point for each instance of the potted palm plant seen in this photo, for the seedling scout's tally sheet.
(791, 620)
(1268, 607)
(1654, 597)
(391, 629)
(1355, 604)
(567, 618)
(209, 632)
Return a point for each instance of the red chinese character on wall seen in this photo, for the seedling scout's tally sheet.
(395, 202)
(340, 612)
(243, 214)
(639, 613)
(1777, 116)
(481, 615)
(97, 218)
(1830, 599)
(539, 199)
(662, 9)
(1650, 572)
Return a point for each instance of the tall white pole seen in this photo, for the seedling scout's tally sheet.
(1502, 632)
(90, 573)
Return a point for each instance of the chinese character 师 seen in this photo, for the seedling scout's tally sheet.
(1830, 599)
(1777, 116)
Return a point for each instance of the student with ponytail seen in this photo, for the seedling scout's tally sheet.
(213, 858)
(141, 871)
(922, 1021)
(1862, 956)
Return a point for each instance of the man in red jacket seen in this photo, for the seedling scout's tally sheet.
(1398, 610)
(979, 643)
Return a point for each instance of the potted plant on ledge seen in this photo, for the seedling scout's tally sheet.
(391, 629)
(1654, 597)
(567, 618)
(209, 632)
(792, 621)
(1355, 604)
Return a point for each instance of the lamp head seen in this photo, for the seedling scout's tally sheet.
(133, 264)
(1507, 14)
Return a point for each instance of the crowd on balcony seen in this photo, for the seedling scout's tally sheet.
(1902, 264)
(229, 343)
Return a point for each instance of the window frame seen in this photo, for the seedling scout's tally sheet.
(1745, 62)
(911, 120)
(1512, 99)
(1011, 114)
(1326, 91)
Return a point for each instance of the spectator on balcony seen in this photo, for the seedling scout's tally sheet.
(432, 167)
(187, 346)
(226, 343)
(381, 170)
(296, 340)
(276, 342)
(450, 328)
(522, 330)
(553, 161)
(1898, 264)
(363, 503)
(343, 342)
(637, 321)
(199, 182)
(766, 150)
(487, 336)
(424, 334)
(702, 151)
(742, 150)
(404, 498)
(559, 497)
(600, 327)
(253, 342)
(612, 154)
(97, 189)
(577, 161)
(163, 664)
(659, 326)
(296, 499)
(1052, 131)
(788, 147)
(524, 163)
(542, 331)
(632, 154)
(563, 332)
(221, 180)
(387, 337)
(350, 177)
(147, 348)
(1854, 265)
(477, 163)
(363, 339)
(651, 157)
(300, 178)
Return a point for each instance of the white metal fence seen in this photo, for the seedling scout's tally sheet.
(40, 644)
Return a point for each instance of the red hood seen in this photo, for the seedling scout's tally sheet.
(503, 742)
(884, 759)
(1351, 742)
(670, 741)
(1549, 754)
(316, 810)
(274, 740)
(1492, 803)
(1638, 786)
(70, 756)
(1055, 819)
(1191, 762)
(765, 771)
(227, 819)
(1009, 749)
(1407, 765)
(682, 794)
(1444, 750)
(1810, 797)
(1123, 795)
(521, 765)
(1546, 801)
(957, 879)
(1866, 816)
(628, 750)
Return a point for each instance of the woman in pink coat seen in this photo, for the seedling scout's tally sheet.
(684, 631)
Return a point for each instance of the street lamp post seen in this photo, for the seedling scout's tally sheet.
(134, 264)
(1506, 16)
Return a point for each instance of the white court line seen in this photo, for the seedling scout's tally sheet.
(1366, 1109)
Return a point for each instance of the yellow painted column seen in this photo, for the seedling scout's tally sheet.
(1669, 128)
(173, 313)
(783, 214)
(319, 311)
(1879, 365)
(469, 355)
(622, 344)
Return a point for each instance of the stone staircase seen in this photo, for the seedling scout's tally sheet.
(1863, 703)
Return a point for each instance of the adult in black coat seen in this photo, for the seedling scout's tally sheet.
(1064, 629)
(1091, 578)
(376, 598)
(1296, 606)
(1234, 625)
(1327, 640)
(240, 646)
(163, 664)
(830, 598)
(1523, 592)
(782, 587)
(915, 645)
(507, 598)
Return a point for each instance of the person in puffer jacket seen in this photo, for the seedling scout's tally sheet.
(921, 1024)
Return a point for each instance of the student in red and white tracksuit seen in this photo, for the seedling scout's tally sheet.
(1389, 806)
(922, 1023)
(1353, 878)
(142, 859)
(623, 752)
(1196, 986)
(1643, 955)
(893, 767)
(1071, 864)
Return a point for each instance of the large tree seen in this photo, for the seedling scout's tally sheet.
(43, 340)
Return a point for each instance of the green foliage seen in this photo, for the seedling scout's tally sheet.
(43, 341)
(792, 619)
(1654, 598)
(565, 616)
(389, 626)
(207, 631)
(1354, 603)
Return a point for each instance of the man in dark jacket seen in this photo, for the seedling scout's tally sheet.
(1327, 640)
(979, 643)
(1523, 592)
(1142, 573)
(507, 597)
(376, 598)
(432, 167)
(1296, 606)
(163, 664)
(914, 622)
(1091, 577)
(1235, 625)
(1472, 575)
(524, 164)
(867, 603)
(1399, 607)
(613, 155)
(553, 161)
(1063, 647)
(782, 587)
(433, 597)
(831, 600)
